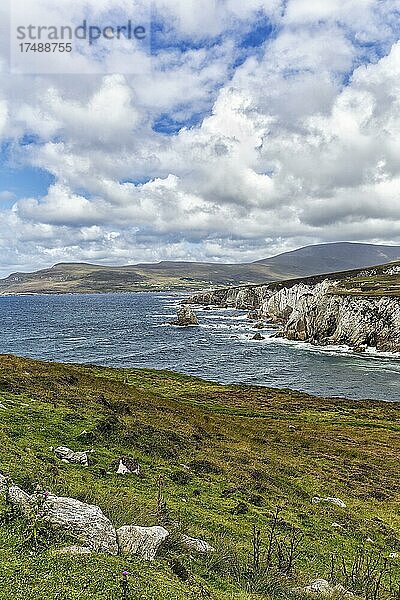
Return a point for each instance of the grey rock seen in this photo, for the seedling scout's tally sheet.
(186, 317)
(85, 522)
(321, 587)
(16, 495)
(141, 541)
(336, 501)
(197, 545)
(67, 455)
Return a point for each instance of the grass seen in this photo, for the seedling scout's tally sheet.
(85, 278)
(379, 281)
(228, 456)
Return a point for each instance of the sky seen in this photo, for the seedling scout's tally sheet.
(245, 129)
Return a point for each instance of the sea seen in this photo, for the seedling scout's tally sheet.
(133, 330)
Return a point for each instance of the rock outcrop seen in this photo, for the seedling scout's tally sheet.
(321, 587)
(141, 541)
(186, 317)
(335, 501)
(85, 522)
(67, 455)
(318, 312)
(258, 337)
(197, 545)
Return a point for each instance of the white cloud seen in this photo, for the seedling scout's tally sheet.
(299, 143)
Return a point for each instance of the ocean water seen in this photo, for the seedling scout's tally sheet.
(131, 330)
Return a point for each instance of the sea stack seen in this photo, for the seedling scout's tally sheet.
(186, 316)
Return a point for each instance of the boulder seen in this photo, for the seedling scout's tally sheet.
(126, 466)
(258, 337)
(141, 541)
(85, 522)
(321, 587)
(186, 316)
(197, 545)
(68, 455)
(336, 501)
(16, 495)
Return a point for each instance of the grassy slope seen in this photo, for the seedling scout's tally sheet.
(84, 278)
(340, 448)
(373, 282)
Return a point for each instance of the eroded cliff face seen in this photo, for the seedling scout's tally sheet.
(318, 313)
(242, 298)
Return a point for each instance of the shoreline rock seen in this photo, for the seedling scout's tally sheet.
(186, 317)
(316, 313)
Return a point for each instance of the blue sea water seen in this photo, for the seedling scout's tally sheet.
(131, 330)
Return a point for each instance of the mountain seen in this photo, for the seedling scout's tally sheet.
(327, 258)
(168, 275)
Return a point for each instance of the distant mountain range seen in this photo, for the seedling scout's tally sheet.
(168, 275)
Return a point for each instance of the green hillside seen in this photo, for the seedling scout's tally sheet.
(82, 278)
(221, 459)
(383, 280)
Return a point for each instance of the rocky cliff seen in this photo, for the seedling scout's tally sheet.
(326, 312)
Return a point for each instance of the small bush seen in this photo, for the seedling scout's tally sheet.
(205, 467)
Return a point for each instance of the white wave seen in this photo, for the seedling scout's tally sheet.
(212, 317)
(331, 349)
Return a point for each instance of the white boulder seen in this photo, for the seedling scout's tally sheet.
(126, 466)
(85, 522)
(141, 541)
(321, 587)
(336, 501)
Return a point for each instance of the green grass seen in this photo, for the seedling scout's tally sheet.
(374, 282)
(215, 447)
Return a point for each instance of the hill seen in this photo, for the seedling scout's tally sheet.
(166, 275)
(218, 460)
(328, 258)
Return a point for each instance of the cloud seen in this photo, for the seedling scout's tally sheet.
(6, 195)
(295, 141)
